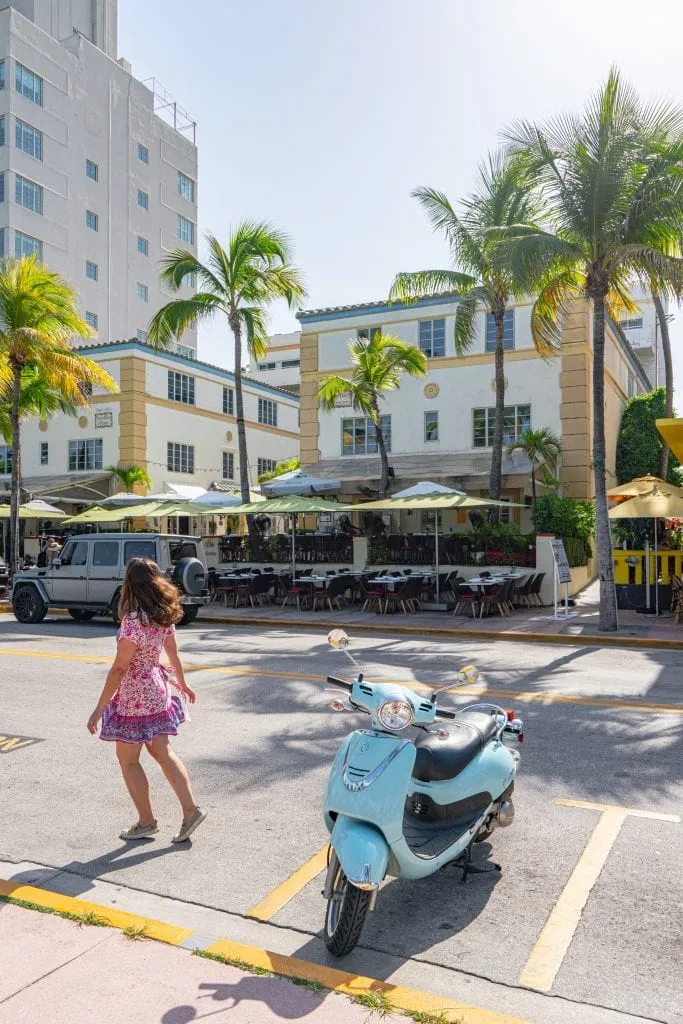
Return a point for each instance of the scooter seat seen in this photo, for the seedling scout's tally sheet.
(439, 760)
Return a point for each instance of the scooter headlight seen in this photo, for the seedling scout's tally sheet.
(395, 714)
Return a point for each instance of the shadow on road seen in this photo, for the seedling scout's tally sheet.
(285, 1000)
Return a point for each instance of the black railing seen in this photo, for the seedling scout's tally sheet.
(454, 549)
(313, 548)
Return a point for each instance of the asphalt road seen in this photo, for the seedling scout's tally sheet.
(601, 727)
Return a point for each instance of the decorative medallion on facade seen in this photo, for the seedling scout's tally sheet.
(431, 390)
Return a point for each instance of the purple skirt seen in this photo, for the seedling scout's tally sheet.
(142, 728)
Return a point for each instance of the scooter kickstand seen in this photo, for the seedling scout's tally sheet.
(464, 861)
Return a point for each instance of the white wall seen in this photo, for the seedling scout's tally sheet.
(62, 429)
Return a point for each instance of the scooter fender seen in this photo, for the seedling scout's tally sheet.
(361, 850)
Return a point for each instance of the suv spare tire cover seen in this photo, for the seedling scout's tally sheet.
(190, 575)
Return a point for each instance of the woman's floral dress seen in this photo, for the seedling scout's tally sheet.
(145, 704)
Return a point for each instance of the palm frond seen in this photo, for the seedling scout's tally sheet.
(255, 320)
(173, 319)
(410, 287)
(465, 250)
(464, 332)
(553, 304)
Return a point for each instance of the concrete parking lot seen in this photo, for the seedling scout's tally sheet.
(596, 800)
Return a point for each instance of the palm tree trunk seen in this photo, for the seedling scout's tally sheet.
(15, 495)
(236, 328)
(533, 485)
(603, 536)
(668, 379)
(496, 473)
(382, 449)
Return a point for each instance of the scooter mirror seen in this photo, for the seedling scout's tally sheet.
(338, 638)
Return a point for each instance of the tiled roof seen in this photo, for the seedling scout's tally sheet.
(384, 302)
(194, 362)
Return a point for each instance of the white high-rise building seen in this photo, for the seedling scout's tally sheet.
(98, 171)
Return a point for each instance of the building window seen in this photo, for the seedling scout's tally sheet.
(265, 466)
(368, 332)
(516, 418)
(143, 153)
(91, 270)
(29, 85)
(29, 140)
(228, 402)
(290, 364)
(633, 324)
(44, 453)
(26, 245)
(2, 187)
(143, 199)
(228, 465)
(266, 366)
(180, 387)
(267, 412)
(185, 230)
(180, 457)
(185, 350)
(143, 246)
(5, 458)
(92, 170)
(185, 187)
(2, 131)
(359, 436)
(85, 454)
(28, 194)
(91, 320)
(432, 425)
(92, 220)
(2, 74)
(432, 335)
(142, 292)
(141, 335)
(508, 331)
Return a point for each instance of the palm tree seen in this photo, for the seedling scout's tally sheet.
(614, 193)
(663, 323)
(130, 476)
(541, 448)
(36, 398)
(379, 363)
(501, 200)
(239, 282)
(38, 319)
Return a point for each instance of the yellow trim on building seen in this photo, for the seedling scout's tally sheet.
(211, 414)
(133, 415)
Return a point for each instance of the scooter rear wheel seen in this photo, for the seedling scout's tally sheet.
(347, 909)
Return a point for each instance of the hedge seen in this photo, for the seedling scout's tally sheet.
(639, 445)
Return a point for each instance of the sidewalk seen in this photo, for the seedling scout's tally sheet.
(66, 973)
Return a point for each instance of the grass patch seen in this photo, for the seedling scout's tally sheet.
(89, 917)
(423, 1017)
(377, 1002)
(231, 962)
(136, 931)
(315, 986)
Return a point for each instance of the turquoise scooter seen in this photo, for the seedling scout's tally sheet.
(406, 806)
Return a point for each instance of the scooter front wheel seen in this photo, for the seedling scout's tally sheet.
(347, 909)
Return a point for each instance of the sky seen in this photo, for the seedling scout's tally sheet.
(322, 115)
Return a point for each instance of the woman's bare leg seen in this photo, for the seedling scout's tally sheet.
(175, 771)
(136, 780)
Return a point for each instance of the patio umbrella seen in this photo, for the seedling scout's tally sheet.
(442, 498)
(297, 482)
(115, 515)
(664, 503)
(291, 505)
(213, 499)
(641, 485)
(421, 490)
(35, 509)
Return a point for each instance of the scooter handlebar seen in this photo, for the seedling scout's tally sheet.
(444, 714)
(340, 682)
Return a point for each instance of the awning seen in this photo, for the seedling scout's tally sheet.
(297, 482)
(460, 470)
(293, 504)
(74, 488)
(672, 432)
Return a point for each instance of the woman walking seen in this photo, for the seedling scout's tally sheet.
(138, 705)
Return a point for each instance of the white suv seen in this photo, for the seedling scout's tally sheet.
(87, 577)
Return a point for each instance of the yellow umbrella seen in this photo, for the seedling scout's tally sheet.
(654, 504)
(641, 485)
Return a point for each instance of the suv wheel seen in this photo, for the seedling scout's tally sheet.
(80, 614)
(190, 612)
(28, 605)
(114, 608)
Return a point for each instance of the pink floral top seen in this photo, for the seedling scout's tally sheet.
(145, 688)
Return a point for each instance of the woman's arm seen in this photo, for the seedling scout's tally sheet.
(171, 648)
(125, 652)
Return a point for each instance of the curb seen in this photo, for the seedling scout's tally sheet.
(451, 633)
(253, 957)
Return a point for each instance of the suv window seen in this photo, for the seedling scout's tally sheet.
(139, 549)
(105, 552)
(75, 553)
(182, 549)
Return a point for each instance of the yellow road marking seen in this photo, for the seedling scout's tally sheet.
(630, 811)
(169, 933)
(279, 897)
(558, 931)
(253, 956)
(353, 984)
(467, 689)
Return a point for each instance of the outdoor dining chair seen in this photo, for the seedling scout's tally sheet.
(371, 594)
(521, 593)
(498, 597)
(408, 596)
(535, 591)
(467, 597)
(293, 592)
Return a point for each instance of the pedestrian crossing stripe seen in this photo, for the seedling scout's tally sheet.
(10, 743)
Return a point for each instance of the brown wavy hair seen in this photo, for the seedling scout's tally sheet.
(146, 590)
